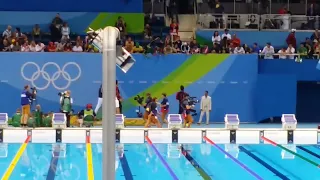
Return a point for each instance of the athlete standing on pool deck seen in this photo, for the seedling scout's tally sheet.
(152, 117)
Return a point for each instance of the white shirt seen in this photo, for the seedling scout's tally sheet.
(77, 49)
(226, 35)
(239, 50)
(32, 48)
(268, 52)
(216, 39)
(290, 51)
(282, 56)
(65, 31)
(205, 103)
(40, 48)
(6, 33)
(25, 48)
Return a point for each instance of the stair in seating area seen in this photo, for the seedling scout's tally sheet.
(187, 23)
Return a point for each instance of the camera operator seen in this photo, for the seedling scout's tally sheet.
(26, 97)
(164, 108)
(66, 105)
(152, 117)
(180, 96)
(187, 108)
(146, 105)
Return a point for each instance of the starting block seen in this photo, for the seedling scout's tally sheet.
(59, 150)
(3, 120)
(59, 120)
(287, 155)
(174, 121)
(232, 149)
(174, 151)
(231, 121)
(289, 121)
(119, 121)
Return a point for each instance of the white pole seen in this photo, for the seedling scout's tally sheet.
(110, 35)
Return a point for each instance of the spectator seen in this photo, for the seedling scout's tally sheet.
(282, 53)
(32, 46)
(137, 48)
(168, 49)
(174, 29)
(77, 48)
(79, 40)
(20, 36)
(40, 47)
(68, 47)
(1, 44)
(51, 47)
(55, 28)
(246, 48)
(216, 48)
(7, 33)
(185, 48)
(177, 48)
(6, 46)
(216, 38)
(167, 41)
(302, 50)
(239, 50)
(283, 10)
(291, 39)
(89, 48)
(255, 48)
(121, 25)
(178, 42)
(129, 45)
(36, 32)
(65, 32)
(147, 32)
(225, 38)
(205, 49)
(194, 46)
(291, 50)
(315, 35)
(15, 46)
(59, 46)
(268, 51)
(235, 41)
(25, 47)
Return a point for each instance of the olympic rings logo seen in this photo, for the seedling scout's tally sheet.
(61, 72)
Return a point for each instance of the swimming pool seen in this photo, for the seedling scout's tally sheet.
(142, 161)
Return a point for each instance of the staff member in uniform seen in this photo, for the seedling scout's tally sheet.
(152, 117)
(205, 107)
(164, 108)
(25, 103)
(99, 100)
(188, 120)
(66, 102)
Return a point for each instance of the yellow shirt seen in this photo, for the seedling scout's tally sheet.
(138, 49)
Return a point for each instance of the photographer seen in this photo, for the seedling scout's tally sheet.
(164, 108)
(26, 97)
(146, 105)
(187, 109)
(152, 117)
(66, 105)
(180, 96)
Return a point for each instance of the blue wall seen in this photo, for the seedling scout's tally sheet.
(240, 84)
(127, 6)
(277, 39)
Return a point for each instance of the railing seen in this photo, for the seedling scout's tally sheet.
(266, 22)
(234, 6)
(295, 56)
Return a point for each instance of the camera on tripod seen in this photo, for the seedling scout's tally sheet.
(61, 94)
(139, 99)
(34, 94)
(192, 101)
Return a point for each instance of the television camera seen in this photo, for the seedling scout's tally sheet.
(124, 59)
(139, 100)
(192, 101)
(34, 94)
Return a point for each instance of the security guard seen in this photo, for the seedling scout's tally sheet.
(188, 120)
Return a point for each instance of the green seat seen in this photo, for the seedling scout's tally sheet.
(38, 118)
(30, 122)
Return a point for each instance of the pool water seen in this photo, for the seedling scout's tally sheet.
(140, 162)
